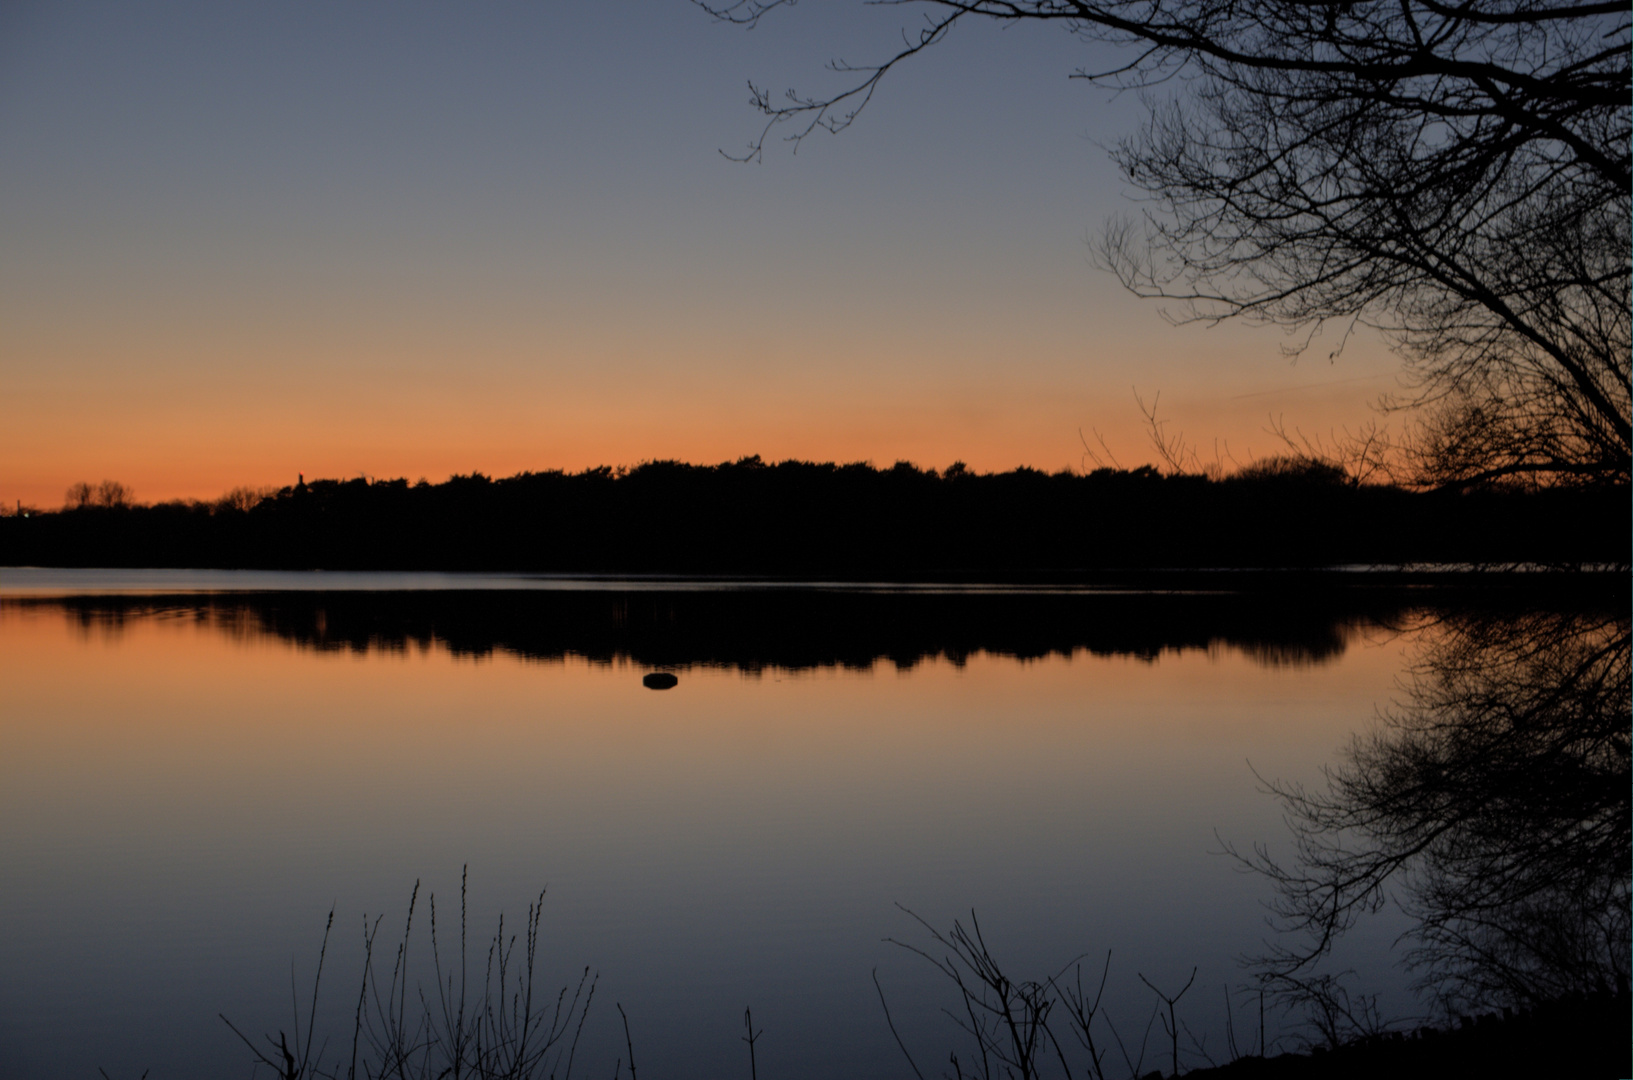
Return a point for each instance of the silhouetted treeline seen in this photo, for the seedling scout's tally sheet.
(1276, 618)
(801, 518)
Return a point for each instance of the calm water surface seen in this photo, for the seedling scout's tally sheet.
(189, 784)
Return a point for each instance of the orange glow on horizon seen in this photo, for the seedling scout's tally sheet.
(198, 442)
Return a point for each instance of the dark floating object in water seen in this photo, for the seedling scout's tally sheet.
(658, 680)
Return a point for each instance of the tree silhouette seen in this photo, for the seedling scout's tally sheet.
(1455, 175)
(109, 494)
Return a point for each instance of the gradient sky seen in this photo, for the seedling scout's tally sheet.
(239, 242)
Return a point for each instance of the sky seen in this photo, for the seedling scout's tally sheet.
(243, 242)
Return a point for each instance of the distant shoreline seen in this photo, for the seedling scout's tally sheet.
(848, 523)
(19, 582)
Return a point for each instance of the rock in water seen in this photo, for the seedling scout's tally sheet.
(658, 680)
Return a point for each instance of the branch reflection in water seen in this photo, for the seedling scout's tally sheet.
(1493, 803)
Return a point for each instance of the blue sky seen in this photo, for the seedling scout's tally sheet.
(243, 241)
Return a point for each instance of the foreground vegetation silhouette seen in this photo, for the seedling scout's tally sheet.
(794, 517)
(499, 1024)
(1055, 1025)
(490, 1018)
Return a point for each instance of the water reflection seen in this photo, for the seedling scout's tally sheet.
(191, 782)
(1494, 800)
(754, 630)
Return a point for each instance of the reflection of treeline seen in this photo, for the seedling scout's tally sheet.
(1297, 621)
(797, 517)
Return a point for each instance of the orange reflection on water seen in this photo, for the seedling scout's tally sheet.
(225, 731)
(181, 801)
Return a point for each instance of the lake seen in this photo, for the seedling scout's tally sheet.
(199, 767)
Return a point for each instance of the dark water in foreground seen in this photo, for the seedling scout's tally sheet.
(192, 780)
